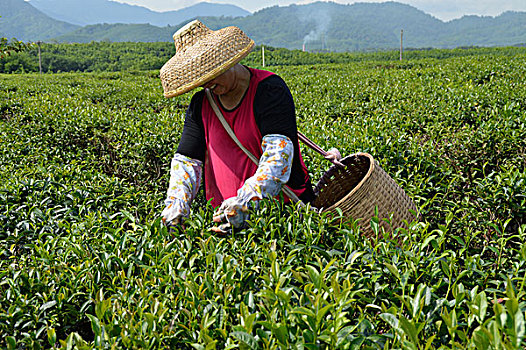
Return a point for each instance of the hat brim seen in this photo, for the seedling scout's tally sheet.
(208, 75)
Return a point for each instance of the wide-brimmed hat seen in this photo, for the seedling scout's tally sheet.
(202, 54)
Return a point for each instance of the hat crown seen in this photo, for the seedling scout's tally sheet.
(189, 34)
(201, 55)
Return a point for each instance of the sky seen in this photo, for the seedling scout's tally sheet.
(441, 9)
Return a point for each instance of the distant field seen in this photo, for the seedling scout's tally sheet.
(84, 168)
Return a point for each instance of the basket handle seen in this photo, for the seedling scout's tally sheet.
(311, 144)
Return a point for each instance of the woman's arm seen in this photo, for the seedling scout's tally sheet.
(186, 165)
(185, 177)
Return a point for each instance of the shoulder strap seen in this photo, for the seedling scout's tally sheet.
(228, 128)
(231, 133)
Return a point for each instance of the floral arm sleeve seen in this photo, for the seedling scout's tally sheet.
(185, 176)
(272, 173)
(273, 169)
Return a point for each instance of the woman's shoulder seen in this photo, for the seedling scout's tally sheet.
(196, 105)
(197, 98)
(272, 84)
(266, 78)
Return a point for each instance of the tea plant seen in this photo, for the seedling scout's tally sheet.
(86, 263)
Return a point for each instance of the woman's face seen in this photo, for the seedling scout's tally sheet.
(222, 84)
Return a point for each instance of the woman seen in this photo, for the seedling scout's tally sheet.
(259, 108)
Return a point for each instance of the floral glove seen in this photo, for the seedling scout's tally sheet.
(273, 171)
(185, 176)
(233, 212)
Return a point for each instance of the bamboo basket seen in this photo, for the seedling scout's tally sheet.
(358, 188)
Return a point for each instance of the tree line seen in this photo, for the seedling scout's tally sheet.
(20, 57)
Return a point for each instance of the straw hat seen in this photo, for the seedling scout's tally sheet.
(202, 54)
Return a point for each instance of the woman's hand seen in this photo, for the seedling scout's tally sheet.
(175, 225)
(334, 156)
(232, 213)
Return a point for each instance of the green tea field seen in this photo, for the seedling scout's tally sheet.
(86, 263)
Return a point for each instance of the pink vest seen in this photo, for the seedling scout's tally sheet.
(226, 165)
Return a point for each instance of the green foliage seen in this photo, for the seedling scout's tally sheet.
(95, 56)
(85, 261)
(9, 47)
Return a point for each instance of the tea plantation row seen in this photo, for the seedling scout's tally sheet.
(86, 263)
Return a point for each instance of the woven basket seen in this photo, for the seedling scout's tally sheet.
(360, 187)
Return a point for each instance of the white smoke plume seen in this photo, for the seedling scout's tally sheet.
(322, 20)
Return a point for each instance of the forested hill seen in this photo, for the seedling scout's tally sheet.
(21, 20)
(326, 26)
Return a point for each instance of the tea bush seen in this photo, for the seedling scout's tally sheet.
(86, 263)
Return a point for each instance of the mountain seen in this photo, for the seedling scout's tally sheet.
(507, 29)
(331, 26)
(85, 12)
(370, 26)
(325, 26)
(21, 20)
(320, 26)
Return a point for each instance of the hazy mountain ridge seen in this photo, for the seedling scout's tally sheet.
(327, 26)
(107, 11)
